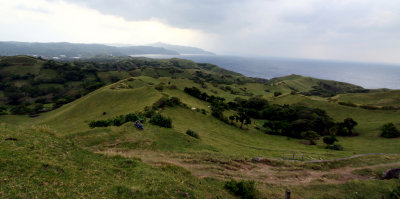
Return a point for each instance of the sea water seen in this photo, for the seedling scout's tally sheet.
(367, 75)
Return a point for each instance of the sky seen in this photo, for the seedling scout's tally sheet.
(354, 30)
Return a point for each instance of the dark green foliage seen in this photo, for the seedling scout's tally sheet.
(243, 189)
(99, 123)
(3, 110)
(165, 101)
(310, 136)
(329, 140)
(193, 134)
(20, 110)
(63, 82)
(336, 147)
(195, 92)
(346, 127)
(326, 88)
(347, 104)
(160, 86)
(241, 117)
(389, 130)
(148, 112)
(293, 120)
(117, 121)
(330, 143)
(369, 107)
(395, 193)
(277, 93)
(160, 120)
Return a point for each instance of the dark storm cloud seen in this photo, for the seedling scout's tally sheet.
(184, 14)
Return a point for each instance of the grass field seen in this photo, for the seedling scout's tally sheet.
(64, 152)
(385, 98)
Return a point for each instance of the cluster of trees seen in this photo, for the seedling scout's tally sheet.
(161, 103)
(293, 121)
(217, 103)
(61, 82)
(195, 92)
(326, 88)
(117, 121)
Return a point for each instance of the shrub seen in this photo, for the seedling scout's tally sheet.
(347, 104)
(20, 110)
(369, 107)
(329, 140)
(131, 117)
(346, 127)
(165, 101)
(192, 133)
(389, 130)
(160, 86)
(116, 121)
(310, 136)
(337, 147)
(395, 193)
(160, 120)
(149, 112)
(244, 189)
(99, 123)
(277, 93)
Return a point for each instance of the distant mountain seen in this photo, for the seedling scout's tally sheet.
(69, 50)
(183, 49)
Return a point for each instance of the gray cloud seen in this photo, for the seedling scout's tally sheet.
(307, 28)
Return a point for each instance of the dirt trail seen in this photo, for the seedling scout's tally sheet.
(246, 169)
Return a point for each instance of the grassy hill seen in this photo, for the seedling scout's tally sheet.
(70, 159)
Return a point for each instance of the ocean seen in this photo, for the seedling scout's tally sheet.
(367, 75)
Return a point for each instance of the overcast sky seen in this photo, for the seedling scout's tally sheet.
(358, 30)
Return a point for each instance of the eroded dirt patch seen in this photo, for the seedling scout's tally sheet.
(266, 171)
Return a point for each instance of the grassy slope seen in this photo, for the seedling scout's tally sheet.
(384, 98)
(40, 165)
(228, 140)
(369, 123)
(217, 139)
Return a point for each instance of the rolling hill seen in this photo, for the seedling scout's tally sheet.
(67, 158)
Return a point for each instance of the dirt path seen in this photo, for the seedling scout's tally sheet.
(247, 169)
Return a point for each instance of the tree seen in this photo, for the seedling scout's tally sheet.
(346, 127)
(329, 140)
(310, 136)
(389, 130)
(242, 117)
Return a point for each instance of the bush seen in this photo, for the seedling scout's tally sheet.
(244, 189)
(395, 193)
(165, 101)
(116, 121)
(193, 134)
(160, 120)
(277, 93)
(389, 130)
(347, 104)
(160, 86)
(310, 136)
(329, 140)
(337, 147)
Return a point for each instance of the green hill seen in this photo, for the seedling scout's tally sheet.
(70, 159)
